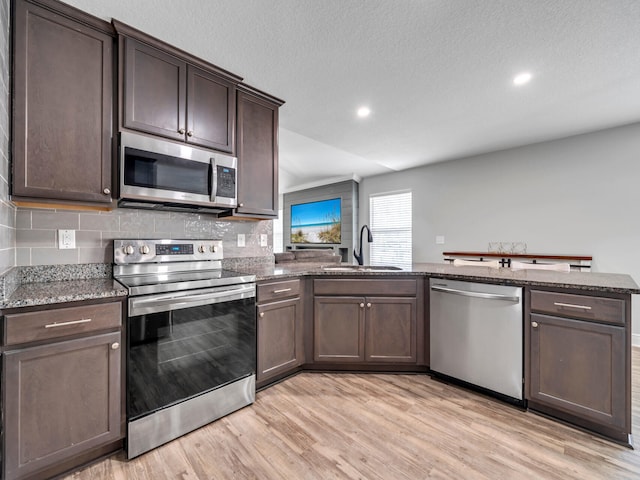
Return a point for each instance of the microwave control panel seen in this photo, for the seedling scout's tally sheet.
(226, 186)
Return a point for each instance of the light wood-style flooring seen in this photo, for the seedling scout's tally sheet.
(379, 426)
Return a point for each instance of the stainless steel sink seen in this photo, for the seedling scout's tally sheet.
(361, 268)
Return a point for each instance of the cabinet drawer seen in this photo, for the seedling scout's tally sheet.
(278, 290)
(610, 310)
(61, 322)
(387, 287)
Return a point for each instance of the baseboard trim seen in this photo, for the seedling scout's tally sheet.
(635, 339)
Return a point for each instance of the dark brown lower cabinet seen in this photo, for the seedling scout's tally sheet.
(279, 338)
(390, 329)
(60, 400)
(365, 329)
(579, 369)
(338, 329)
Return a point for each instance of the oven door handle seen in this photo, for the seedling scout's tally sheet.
(165, 303)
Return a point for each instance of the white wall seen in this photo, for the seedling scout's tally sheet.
(579, 195)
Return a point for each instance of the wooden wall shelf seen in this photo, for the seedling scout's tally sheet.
(578, 262)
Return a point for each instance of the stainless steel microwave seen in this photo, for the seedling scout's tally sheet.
(162, 175)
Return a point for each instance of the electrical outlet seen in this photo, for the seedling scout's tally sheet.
(440, 239)
(66, 239)
(241, 239)
(263, 240)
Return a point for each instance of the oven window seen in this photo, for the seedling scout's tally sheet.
(151, 170)
(173, 356)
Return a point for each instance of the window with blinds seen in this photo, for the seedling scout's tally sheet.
(390, 223)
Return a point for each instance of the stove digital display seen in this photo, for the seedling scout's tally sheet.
(179, 249)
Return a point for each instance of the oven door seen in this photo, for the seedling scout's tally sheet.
(184, 344)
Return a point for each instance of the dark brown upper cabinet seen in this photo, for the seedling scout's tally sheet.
(170, 93)
(62, 104)
(211, 110)
(154, 91)
(257, 154)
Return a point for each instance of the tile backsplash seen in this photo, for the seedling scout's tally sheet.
(37, 233)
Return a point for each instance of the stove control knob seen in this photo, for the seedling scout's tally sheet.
(128, 250)
(144, 249)
(202, 249)
(214, 249)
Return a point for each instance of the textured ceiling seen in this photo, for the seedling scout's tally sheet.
(435, 73)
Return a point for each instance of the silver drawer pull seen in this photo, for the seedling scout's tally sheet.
(570, 305)
(282, 290)
(64, 324)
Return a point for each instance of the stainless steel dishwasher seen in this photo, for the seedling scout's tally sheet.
(476, 335)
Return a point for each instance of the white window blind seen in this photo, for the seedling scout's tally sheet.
(390, 223)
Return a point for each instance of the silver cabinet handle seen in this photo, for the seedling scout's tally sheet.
(64, 324)
(282, 290)
(190, 133)
(181, 131)
(465, 293)
(115, 346)
(241, 204)
(106, 191)
(261, 314)
(534, 324)
(368, 305)
(571, 305)
(362, 305)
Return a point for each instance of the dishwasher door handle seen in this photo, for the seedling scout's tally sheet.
(465, 293)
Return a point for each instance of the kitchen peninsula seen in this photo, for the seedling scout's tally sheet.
(576, 335)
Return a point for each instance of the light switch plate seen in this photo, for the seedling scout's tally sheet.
(241, 239)
(263, 240)
(440, 239)
(66, 239)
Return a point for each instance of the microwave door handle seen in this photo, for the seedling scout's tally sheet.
(214, 180)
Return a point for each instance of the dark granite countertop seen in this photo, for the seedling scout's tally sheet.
(52, 292)
(589, 281)
(46, 293)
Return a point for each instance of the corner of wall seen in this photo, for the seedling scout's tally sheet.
(7, 209)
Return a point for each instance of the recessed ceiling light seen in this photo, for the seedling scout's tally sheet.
(364, 112)
(522, 78)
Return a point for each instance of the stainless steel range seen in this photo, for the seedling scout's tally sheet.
(191, 338)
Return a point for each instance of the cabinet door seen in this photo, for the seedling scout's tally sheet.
(578, 367)
(211, 110)
(63, 90)
(338, 329)
(391, 329)
(60, 400)
(154, 91)
(279, 339)
(257, 156)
